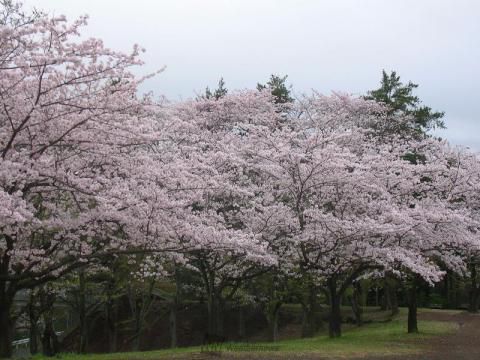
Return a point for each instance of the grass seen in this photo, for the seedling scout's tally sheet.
(375, 339)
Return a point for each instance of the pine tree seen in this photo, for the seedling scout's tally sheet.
(218, 93)
(278, 87)
(399, 98)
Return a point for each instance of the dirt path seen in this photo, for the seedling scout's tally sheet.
(464, 344)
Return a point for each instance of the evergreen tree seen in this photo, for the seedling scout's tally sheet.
(278, 87)
(218, 93)
(399, 98)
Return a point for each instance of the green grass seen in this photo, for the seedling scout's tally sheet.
(376, 339)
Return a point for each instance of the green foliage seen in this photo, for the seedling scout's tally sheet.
(279, 89)
(415, 158)
(216, 94)
(399, 98)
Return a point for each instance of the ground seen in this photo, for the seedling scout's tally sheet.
(463, 344)
(443, 335)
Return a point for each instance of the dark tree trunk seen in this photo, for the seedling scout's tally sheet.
(452, 290)
(49, 338)
(139, 307)
(111, 312)
(35, 308)
(384, 300)
(274, 327)
(241, 322)
(33, 336)
(309, 312)
(474, 290)
(335, 321)
(7, 293)
(138, 336)
(41, 304)
(174, 308)
(412, 307)
(387, 294)
(474, 300)
(172, 321)
(356, 301)
(273, 310)
(220, 309)
(215, 315)
(6, 328)
(391, 294)
(82, 312)
(394, 301)
(335, 318)
(211, 310)
(307, 321)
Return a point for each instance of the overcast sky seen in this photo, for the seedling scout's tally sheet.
(339, 45)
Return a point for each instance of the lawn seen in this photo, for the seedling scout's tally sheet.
(376, 339)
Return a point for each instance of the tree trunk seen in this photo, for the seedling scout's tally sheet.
(335, 322)
(474, 290)
(33, 337)
(219, 316)
(307, 326)
(274, 326)
(6, 327)
(452, 290)
(335, 319)
(211, 328)
(384, 299)
(111, 312)
(174, 308)
(215, 315)
(309, 312)
(474, 300)
(356, 301)
(241, 322)
(391, 294)
(394, 300)
(139, 305)
(412, 308)
(34, 313)
(139, 323)
(49, 338)
(173, 324)
(138, 336)
(82, 309)
(387, 293)
(365, 287)
(273, 309)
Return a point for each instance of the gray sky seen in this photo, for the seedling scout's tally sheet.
(325, 45)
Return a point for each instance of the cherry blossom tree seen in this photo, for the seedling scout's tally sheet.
(355, 202)
(209, 136)
(69, 120)
(431, 189)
